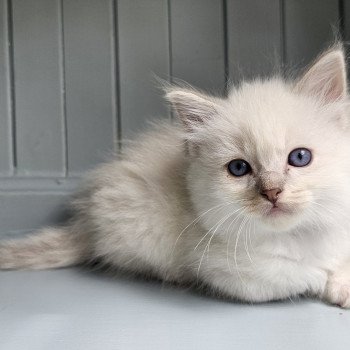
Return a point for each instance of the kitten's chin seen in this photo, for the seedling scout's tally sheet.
(279, 219)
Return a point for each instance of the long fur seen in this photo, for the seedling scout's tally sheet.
(170, 208)
(48, 248)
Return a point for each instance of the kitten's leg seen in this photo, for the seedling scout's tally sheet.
(338, 286)
(269, 279)
(258, 290)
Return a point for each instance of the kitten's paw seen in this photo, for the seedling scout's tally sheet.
(338, 291)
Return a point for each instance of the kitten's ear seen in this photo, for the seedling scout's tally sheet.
(192, 107)
(326, 78)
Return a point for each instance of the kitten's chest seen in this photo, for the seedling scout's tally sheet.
(291, 250)
(325, 250)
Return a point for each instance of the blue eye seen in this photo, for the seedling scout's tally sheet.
(299, 157)
(239, 167)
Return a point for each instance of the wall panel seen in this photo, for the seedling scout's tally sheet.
(89, 61)
(344, 12)
(254, 31)
(6, 152)
(198, 42)
(143, 53)
(310, 26)
(38, 88)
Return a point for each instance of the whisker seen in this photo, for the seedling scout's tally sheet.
(216, 225)
(236, 244)
(195, 221)
(335, 214)
(250, 239)
(246, 239)
(229, 237)
(208, 244)
(329, 218)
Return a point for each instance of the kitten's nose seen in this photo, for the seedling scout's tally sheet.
(271, 195)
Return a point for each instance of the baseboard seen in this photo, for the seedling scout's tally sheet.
(28, 204)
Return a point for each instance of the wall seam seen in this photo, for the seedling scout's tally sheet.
(226, 53)
(12, 84)
(63, 85)
(116, 73)
(341, 13)
(170, 51)
(282, 37)
(170, 43)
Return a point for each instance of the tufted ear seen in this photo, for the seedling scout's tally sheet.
(326, 78)
(192, 107)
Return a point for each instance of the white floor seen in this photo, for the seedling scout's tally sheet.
(73, 309)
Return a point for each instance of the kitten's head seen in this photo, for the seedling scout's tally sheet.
(274, 151)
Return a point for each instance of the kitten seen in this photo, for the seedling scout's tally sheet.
(249, 195)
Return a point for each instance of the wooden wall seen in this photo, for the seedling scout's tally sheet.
(77, 77)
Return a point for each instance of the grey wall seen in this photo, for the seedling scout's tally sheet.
(77, 76)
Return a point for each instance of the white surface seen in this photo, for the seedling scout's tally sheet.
(73, 309)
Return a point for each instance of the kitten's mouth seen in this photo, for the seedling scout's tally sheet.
(277, 210)
(280, 217)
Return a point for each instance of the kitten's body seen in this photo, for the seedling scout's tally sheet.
(169, 208)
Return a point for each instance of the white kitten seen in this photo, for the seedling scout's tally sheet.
(250, 196)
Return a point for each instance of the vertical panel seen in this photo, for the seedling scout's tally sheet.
(197, 42)
(344, 11)
(90, 82)
(5, 94)
(39, 118)
(254, 37)
(308, 28)
(143, 52)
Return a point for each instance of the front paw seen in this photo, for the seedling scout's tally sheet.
(338, 290)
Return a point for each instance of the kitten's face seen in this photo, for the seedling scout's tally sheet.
(261, 124)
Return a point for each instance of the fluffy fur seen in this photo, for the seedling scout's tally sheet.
(169, 208)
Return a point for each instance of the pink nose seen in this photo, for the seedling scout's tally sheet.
(272, 194)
